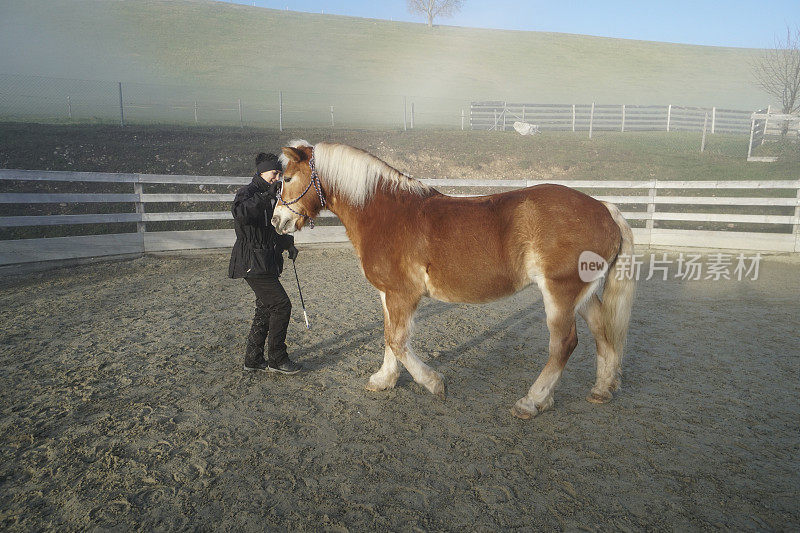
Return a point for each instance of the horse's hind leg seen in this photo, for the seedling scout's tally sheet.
(559, 302)
(607, 360)
(399, 310)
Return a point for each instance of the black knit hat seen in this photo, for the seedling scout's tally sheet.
(267, 162)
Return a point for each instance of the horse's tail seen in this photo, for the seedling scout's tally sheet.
(619, 290)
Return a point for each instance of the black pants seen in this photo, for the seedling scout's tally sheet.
(273, 309)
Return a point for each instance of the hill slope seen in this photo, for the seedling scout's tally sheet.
(221, 44)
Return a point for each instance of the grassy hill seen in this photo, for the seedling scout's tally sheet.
(199, 42)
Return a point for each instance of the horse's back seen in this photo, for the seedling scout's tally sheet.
(483, 248)
(549, 214)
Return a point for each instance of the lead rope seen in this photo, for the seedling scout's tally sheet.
(302, 302)
(315, 180)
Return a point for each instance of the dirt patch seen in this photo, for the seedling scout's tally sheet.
(423, 153)
(124, 406)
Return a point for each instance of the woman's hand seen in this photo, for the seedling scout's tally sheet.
(272, 188)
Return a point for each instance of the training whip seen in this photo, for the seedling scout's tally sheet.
(305, 315)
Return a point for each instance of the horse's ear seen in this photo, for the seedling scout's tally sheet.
(293, 154)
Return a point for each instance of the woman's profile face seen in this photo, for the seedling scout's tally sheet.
(271, 176)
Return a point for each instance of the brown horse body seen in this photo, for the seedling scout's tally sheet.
(413, 241)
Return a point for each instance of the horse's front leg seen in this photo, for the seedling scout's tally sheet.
(386, 377)
(399, 310)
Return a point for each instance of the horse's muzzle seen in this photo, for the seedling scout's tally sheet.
(282, 224)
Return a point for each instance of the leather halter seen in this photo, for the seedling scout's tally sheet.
(317, 186)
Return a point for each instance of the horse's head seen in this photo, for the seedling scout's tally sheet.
(300, 198)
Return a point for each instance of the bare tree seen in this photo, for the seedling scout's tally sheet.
(434, 8)
(777, 71)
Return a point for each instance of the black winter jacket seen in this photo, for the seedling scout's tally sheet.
(258, 248)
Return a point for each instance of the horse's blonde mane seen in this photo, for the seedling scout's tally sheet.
(355, 174)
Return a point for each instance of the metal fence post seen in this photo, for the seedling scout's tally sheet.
(713, 119)
(121, 109)
(69, 107)
(333, 124)
(703, 142)
(591, 121)
(405, 126)
(651, 209)
(669, 115)
(280, 110)
(573, 117)
(412, 115)
(241, 117)
(195, 112)
(505, 108)
(462, 119)
(622, 128)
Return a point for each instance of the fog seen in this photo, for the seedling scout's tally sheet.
(175, 57)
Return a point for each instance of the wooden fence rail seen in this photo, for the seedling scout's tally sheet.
(766, 125)
(645, 203)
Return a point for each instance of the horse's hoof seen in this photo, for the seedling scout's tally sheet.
(440, 389)
(441, 394)
(599, 397)
(527, 409)
(377, 386)
(524, 414)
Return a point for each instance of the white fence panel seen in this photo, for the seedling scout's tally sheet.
(500, 116)
(56, 248)
(642, 193)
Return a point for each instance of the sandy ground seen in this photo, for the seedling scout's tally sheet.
(124, 406)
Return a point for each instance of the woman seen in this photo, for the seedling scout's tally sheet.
(257, 257)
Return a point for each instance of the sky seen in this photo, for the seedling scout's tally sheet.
(751, 24)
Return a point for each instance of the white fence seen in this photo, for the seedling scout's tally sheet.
(644, 203)
(768, 126)
(500, 116)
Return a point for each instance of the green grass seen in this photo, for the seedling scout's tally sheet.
(213, 44)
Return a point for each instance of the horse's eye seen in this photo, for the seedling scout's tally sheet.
(287, 179)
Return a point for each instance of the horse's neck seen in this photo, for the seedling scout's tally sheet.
(382, 208)
(350, 215)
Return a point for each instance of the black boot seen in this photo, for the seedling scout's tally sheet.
(287, 367)
(259, 330)
(279, 315)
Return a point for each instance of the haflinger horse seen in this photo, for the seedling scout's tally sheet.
(413, 241)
